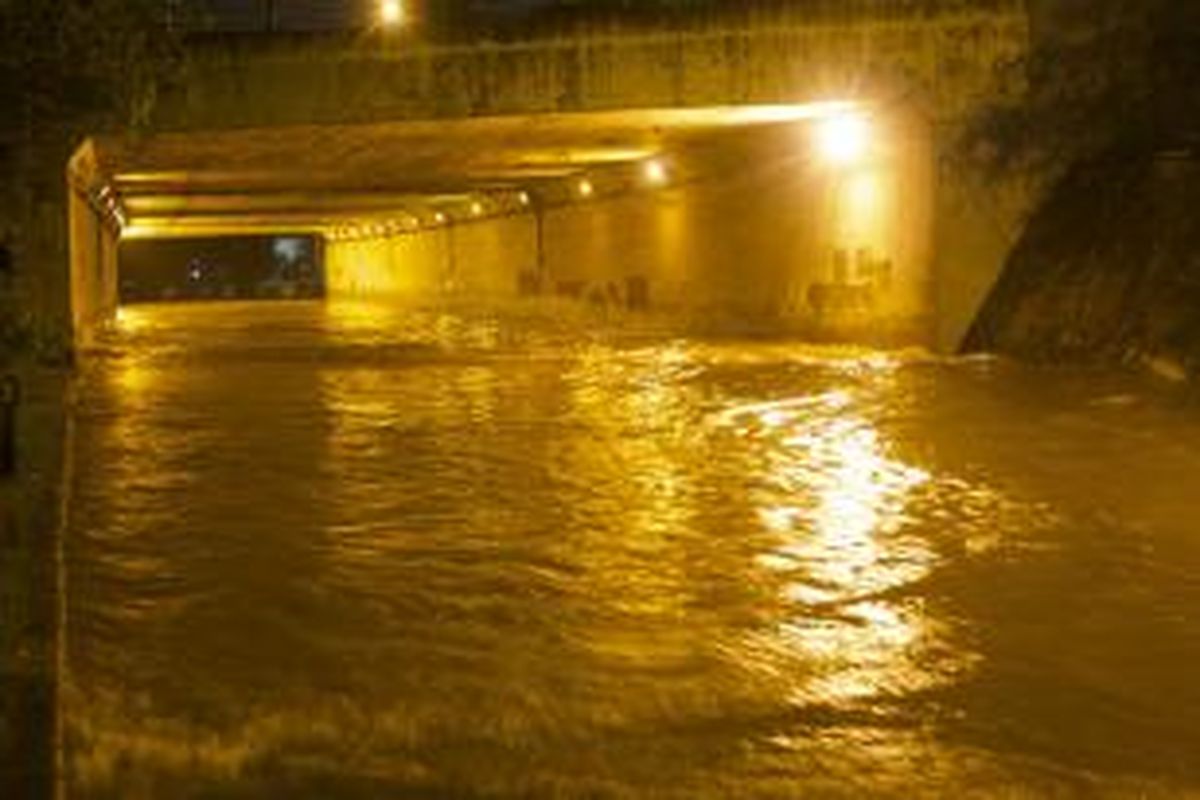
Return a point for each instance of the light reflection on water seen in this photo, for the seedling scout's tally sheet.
(840, 546)
(341, 551)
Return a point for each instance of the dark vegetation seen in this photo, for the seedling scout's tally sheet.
(68, 68)
(1103, 75)
(1108, 267)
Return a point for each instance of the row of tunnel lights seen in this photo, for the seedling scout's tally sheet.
(654, 174)
(842, 141)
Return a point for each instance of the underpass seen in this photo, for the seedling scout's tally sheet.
(490, 521)
(814, 216)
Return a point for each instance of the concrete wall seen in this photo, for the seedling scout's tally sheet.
(481, 257)
(944, 60)
(978, 223)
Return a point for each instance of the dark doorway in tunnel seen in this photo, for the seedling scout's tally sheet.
(225, 268)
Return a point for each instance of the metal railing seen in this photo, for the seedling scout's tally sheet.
(265, 16)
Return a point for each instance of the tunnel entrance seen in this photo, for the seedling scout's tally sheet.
(816, 216)
(225, 268)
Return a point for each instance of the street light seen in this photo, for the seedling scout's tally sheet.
(655, 172)
(843, 139)
(391, 13)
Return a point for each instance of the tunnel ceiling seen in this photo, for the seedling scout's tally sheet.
(324, 179)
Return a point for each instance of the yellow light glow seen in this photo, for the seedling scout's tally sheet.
(655, 172)
(137, 232)
(523, 198)
(476, 209)
(865, 203)
(391, 12)
(585, 187)
(834, 500)
(439, 218)
(843, 139)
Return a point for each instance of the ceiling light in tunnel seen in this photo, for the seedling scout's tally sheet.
(136, 231)
(654, 171)
(843, 139)
(585, 188)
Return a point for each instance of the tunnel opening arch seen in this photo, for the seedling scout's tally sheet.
(937, 67)
(740, 212)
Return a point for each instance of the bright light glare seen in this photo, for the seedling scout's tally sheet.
(391, 12)
(585, 188)
(655, 172)
(523, 198)
(476, 209)
(843, 139)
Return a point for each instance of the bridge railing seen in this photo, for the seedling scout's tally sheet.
(550, 21)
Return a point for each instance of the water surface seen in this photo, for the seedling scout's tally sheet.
(334, 551)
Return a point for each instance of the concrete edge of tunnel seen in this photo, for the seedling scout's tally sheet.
(33, 513)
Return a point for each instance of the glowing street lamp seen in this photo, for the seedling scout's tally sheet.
(654, 172)
(843, 139)
(391, 13)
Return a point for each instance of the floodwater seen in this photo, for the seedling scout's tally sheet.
(333, 551)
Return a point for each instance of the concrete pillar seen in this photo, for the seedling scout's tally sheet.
(92, 241)
(93, 269)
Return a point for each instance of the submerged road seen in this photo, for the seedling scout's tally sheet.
(332, 551)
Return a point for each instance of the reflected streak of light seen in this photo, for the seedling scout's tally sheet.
(836, 503)
(617, 393)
